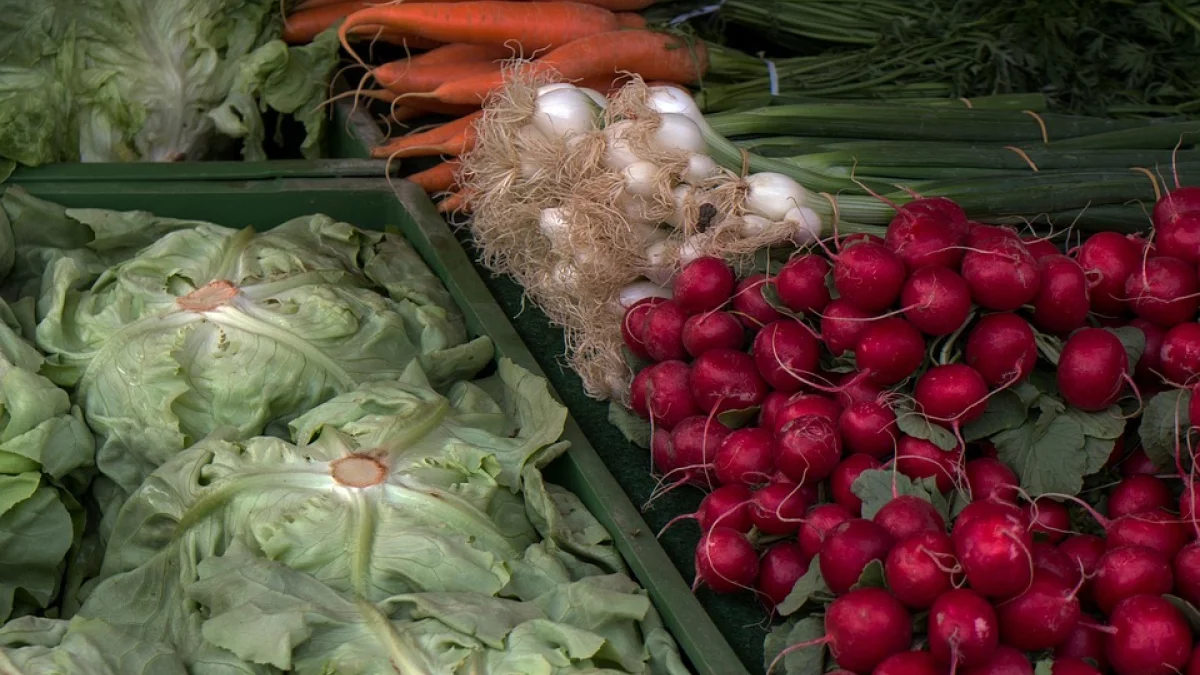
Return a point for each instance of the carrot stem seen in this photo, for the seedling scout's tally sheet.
(438, 178)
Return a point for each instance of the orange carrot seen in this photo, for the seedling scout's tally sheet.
(451, 134)
(301, 27)
(532, 26)
(403, 78)
(615, 5)
(455, 202)
(459, 53)
(439, 178)
(413, 108)
(654, 56)
(630, 20)
(455, 145)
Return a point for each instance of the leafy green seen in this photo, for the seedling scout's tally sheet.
(872, 576)
(1134, 341)
(807, 661)
(402, 530)
(635, 429)
(1164, 423)
(914, 424)
(877, 487)
(808, 587)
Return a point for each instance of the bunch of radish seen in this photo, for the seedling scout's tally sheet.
(783, 394)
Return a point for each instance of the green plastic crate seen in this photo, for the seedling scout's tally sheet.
(374, 204)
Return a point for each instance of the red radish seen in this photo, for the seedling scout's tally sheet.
(726, 506)
(1149, 366)
(990, 478)
(1002, 348)
(1048, 519)
(771, 406)
(726, 561)
(1187, 573)
(1083, 642)
(1150, 637)
(1175, 203)
(1138, 494)
(662, 332)
(1092, 369)
(1163, 291)
(662, 394)
(995, 552)
(801, 405)
(712, 330)
(919, 568)
(1179, 353)
(778, 571)
(745, 458)
(1158, 529)
(703, 285)
(1137, 463)
(868, 275)
(918, 458)
(889, 350)
(801, 284)
(908, 515)
(778, 508)
(726, 379)
(980, 509)
(1177, 225)
(909, 663)
(1041, 617)
(842, 325)
(936, 300)
(808, 449)
(928, 232)
(1001, 274)
(1072, 667)
(1040, 248)
(963, 629)
(979, 233)
(859, 237)
(1109, 259)
(1188, 498)
(862, 628)
(847, 551)
(843, 477)
(633, 324)
(1048, 559)
(1084, 551)
(853, 388)
(821, 519)
(694, 444)
(750, 305)
(868, 427)
(951, 395)
(786, 354)
(1128, 571)
(1063, 301)
(1005, 661)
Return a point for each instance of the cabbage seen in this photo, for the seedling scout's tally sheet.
(400, 531)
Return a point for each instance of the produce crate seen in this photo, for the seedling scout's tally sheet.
(374, 204)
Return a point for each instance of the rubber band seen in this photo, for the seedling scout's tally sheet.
(707, 9)
(772, 77)
(1041, 124)
(1021, 153)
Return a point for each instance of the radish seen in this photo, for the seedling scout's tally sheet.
(726, 506)
(889, 350)
(1176, 227)
(847, 551)
(918, 458)
(750, 305)
(808, 449)
(1048, 519)
(980, 232)
(951, 395)
(1128, 571)
(1072, 667)
(1002, 348)
(1175, 203)
(928, 232)
(1047, 558)
(1179, 353)
(712, 330)
(725, 379)
(843, 477)
(1163, 291)
(936, 300)
(1063, 301)
(853, 388)
(1108, 260)
(1041, 617)
(1187, 499)
(1092, 369)
(868, 275)
(981, 509)
(662, 332)
(745, 458)
(869, 428)
(778, 508)
(821, 519)
(1040, 248)
(786, 354)
(1084, 551)
(802, 405)
(1187, 573)
(842, 325)
(963, 629)
(1001, 274)
(991, 478)
(909, 663)
(778, 571)
(771, 406)
(919, 569)
(1149, 637)
(662, 394)
(1137, 463)
(689, 455)
(1138, 494)
(1005, 661)
(633, 323)
(995, 552)
(908, 515)
(725, 561)
(703, 285)
(1159, 530)
(862, 628)
(1083, 642)
(801, 284)
(1149, 366)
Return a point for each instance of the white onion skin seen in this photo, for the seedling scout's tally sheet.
(772, 195)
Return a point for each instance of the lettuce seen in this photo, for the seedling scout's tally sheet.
(400, 531)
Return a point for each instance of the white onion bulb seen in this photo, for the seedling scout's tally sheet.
(634, 293)
(771, 195)
(700, 168)
(693, 247)
(665, 99)
(617, 153)
(753, 226)
(656, 261)
(598, 98)
(564, 112)
(555, 223)
(546, 88)
(681, 195)
(806, 224)
(640, 178)
(678, 132)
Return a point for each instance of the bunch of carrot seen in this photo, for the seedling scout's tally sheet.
(595, 43)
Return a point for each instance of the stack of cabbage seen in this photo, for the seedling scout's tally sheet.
(294, 474)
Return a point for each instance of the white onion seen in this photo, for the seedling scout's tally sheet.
(678, 132)
(617, 153)
(753, 226)
(700, 168)
(640, 178)
(681, 195)
(555, 223)
(598, 98)
(806, 222)
(656, 261)
(640, 290)
(564, 273)
(771, 195)
(530, 169)
(554, 87)
(674, 100)
(650, 233)
(635, 209)
(564, 112)
(692, 247)
(618, 386)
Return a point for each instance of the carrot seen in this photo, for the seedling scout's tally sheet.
(301, 27)
(439, 178)
(413, 108)
(456, 201)
(403, 78)
(532, 27)
(630, 20)
(654, 56)
(449, 135)
(616, 5)
(459, 53)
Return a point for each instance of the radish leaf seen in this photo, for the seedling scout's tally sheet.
(1158, 431)
(807, 661)
(635, 429)
(808, 587)
(917, 425)
(871, 577)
